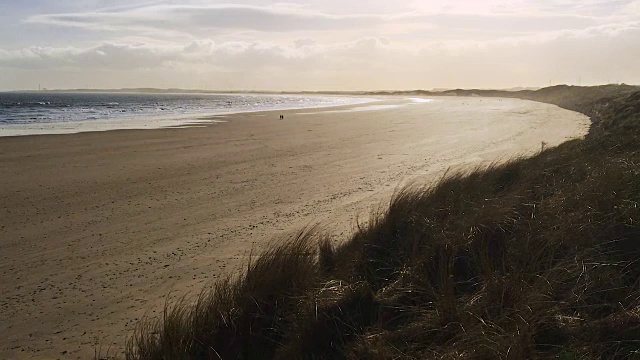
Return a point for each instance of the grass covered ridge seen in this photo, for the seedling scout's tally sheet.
(535, 258)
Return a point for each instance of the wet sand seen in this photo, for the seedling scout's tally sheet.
(97, 228)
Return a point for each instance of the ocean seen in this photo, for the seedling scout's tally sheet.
(28, 113)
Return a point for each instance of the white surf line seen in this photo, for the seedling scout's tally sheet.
(420, 100)
(100, 125)
(203, 121)
(356, 101)
(355, 109)
(185, 126)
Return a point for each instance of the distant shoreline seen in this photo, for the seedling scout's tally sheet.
(219, 91)
(527, 93)
(138, 114)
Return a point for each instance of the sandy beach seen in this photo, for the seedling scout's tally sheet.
(97, 228)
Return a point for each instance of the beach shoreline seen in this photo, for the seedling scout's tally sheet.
(98, 227)
(193, 116)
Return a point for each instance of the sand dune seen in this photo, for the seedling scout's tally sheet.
(97, 228)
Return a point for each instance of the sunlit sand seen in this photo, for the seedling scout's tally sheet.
(99, 227)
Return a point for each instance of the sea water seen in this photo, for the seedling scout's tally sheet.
(27, 113)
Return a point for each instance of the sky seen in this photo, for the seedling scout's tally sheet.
(317, 44)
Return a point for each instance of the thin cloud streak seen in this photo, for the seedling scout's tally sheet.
(288, 19)
(227, 17)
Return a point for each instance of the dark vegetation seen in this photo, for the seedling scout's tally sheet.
(535, 258)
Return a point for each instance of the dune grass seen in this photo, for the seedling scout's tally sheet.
(535, 258)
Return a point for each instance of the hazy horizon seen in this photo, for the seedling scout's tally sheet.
(317, 45)
(212, 90)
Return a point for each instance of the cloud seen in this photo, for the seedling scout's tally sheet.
(276, 19)
(199, 54)
(303, 42)
(597, 54)
(108, 55)
(510, 23)
(633, 8)
(596, 8)
(594, 55)
(290, 18)
(585, 7)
